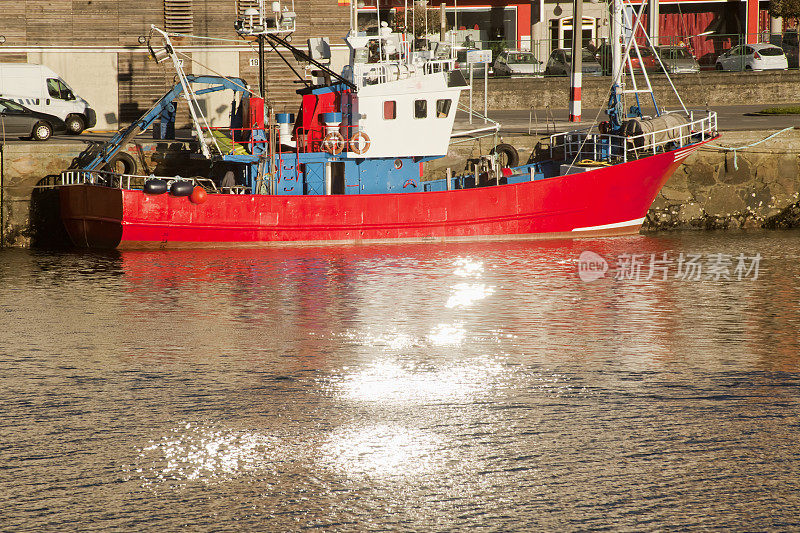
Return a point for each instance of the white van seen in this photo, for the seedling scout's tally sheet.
(40, 89)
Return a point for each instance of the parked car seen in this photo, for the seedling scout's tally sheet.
(19, 121)
(677, 59)
(753, 57)
(40, 89)
(514, 63)
(790, 43)
(560, 63)
(603, 55)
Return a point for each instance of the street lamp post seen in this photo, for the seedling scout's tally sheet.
(577, 63)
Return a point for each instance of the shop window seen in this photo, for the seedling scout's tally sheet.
(389, 110)
(443, 108)
(420, 109)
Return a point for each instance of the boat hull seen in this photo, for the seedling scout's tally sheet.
(610, 200)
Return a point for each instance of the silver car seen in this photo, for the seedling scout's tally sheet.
(753, 57)
(515, 63)
(677, 60)
(560, 63)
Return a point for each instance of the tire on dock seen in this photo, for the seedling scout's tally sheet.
(507, 155)
(122, 163)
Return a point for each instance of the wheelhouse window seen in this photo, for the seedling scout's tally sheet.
(389, 110)
(443, 108)
(420, 109)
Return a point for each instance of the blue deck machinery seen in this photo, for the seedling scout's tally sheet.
(163, 108)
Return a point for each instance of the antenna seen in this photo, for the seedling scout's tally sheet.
(260, 17)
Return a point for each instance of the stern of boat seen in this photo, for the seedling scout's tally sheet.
(92, 215)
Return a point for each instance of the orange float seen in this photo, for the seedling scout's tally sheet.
(199, 195)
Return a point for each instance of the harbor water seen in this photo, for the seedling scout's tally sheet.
(496, 386)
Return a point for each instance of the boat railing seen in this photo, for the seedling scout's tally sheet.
(585, 144)
(101, 177)
(123, 181)
(439, 65)
(374, 73)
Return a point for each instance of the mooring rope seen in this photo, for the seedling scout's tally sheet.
(736, 149)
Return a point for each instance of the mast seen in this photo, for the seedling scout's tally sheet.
(615, 107)
(616, 40)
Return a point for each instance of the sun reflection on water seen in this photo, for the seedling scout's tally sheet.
(193, 453)
(447, 334)
(466, 267)
(388, 382)
(382, 450)
(466, 294)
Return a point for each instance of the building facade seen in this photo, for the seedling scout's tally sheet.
(97, 45)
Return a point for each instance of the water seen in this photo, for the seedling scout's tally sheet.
(427, 387)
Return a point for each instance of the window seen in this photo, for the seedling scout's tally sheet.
(420, 109)
(360, 55)
(58, 89)
(389, 110)
(521, 59)
(52, 88)
(443, 108)
(7, 106)
(771, 51)
(178, 16)
(561, 31)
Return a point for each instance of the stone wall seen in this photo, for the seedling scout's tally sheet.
(714, 188)
(696, 90)
(23, 166)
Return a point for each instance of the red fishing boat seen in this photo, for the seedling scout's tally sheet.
(347, 167)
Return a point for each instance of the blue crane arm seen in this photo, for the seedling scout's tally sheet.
(123, 136)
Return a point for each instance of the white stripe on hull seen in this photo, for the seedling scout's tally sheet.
(634, 222)
(680, 155)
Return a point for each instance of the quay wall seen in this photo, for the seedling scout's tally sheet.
(696, 90)
(713, 189)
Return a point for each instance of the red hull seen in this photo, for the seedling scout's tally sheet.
(609, 200)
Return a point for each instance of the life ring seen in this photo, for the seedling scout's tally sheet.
(411, 182)
(359, 143)
(333, 143)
